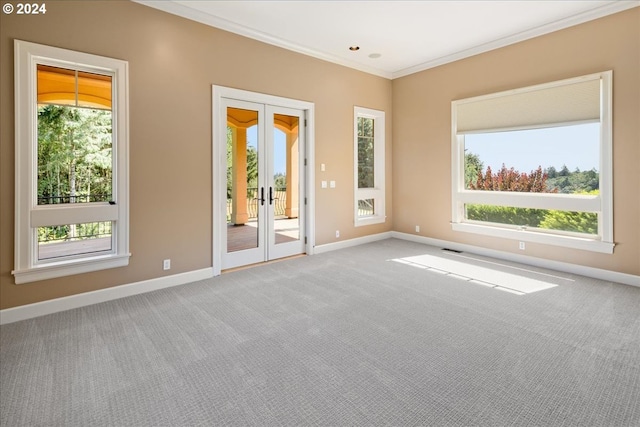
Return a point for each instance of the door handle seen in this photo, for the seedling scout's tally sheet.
(270, 195)
(261, 196)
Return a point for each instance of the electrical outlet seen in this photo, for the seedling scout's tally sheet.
(417, 228)
(337, 233)
(166, 264)
(522, 246)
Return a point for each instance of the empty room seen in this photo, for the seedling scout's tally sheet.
(420, 213)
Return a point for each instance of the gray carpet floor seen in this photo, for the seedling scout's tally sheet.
(344, 338)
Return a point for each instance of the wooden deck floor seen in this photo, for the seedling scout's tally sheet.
(241, 237)
(61, 249)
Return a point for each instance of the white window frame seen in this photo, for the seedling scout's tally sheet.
(28, 214)
(601, 203)
(377, 193)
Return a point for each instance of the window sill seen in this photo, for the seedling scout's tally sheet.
(537, 237)
(370, 220)
(68, 268)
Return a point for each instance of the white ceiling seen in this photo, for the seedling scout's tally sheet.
(409, 36)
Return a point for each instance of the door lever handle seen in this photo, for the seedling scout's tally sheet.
(262, 196)
(270, 195)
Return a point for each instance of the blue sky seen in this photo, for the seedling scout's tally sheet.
(280, 150)
(576, 146)
(279, 161)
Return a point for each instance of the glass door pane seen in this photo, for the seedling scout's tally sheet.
(264, 210)
(285, 186)
(244, 195)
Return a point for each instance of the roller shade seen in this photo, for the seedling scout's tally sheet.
(63, 86)
(530, 108)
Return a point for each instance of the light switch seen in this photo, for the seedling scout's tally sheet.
(321, 167)
(332, 184)
(324, 184)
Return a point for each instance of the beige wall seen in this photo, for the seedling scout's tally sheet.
(173, 63)
(422, 130)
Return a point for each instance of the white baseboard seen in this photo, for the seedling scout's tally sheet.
(351, 242)
(23, 312)
(597, 273)
(29, 311)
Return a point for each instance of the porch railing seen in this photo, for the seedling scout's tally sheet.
(280, 202)
(80, 198)
(365, 208)
(74, 232)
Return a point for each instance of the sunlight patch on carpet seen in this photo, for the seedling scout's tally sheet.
(518, 284)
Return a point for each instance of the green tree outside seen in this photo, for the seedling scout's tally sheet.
(539, 180)
(74, 164)
(252, 166)
(366, 161)
(472, 167)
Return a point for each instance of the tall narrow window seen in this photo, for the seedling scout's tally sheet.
(369, 166)
(535, 164)
(71, 157)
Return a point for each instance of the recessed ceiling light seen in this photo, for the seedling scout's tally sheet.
(375, 55)
(354, 48)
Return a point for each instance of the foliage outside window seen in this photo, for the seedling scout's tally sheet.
(369, 166)
(366, 155)
(72, 154)
(510, 154)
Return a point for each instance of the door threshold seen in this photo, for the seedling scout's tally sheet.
(258, 264)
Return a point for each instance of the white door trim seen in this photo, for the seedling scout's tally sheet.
(219, 178)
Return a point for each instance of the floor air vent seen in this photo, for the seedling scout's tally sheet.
(452, 250)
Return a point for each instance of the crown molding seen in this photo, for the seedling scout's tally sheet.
(232, 27)
(180, 9)
(590, 15)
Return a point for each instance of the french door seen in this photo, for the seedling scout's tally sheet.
(264, 215)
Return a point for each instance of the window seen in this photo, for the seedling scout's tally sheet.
(71, 162)
(369, 166)
(534, 164)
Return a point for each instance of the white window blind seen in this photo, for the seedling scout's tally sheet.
(564, 103)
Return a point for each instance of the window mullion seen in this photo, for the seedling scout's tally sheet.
(73, 214)
(578, 203)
